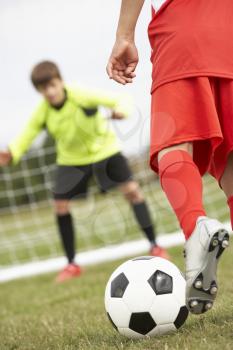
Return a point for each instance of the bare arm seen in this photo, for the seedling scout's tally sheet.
(130, 11)
(124, 56)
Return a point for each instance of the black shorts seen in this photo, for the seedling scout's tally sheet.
(71, 182)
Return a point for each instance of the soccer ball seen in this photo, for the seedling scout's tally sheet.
(145, 296)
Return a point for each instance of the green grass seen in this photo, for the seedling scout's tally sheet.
(37, 314)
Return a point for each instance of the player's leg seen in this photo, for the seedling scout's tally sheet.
(65, 228)
(115, 172)
(226, 181)
(227, 184)
(205, 238)
(182, 183)
(222, 162)
(70, 182)
(181, 176)
(67, 234)
(134, 195)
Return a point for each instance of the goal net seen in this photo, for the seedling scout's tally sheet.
(27, 226)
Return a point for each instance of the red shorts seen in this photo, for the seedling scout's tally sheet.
(198, 110)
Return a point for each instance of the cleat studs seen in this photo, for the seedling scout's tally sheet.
(198, 284)
(208, 306)
(194, 303)
(215, 243)
(225, 243)
(213, 290)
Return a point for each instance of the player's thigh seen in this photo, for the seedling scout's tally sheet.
(71, 182)
(187, 147)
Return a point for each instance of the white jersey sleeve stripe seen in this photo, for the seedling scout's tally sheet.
(157, 4)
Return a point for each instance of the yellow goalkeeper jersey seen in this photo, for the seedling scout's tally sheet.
(82, 135)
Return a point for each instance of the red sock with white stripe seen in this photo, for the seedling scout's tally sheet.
(182, 183)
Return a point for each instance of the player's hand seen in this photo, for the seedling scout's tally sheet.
(123, 61)
(5, 158)
(117, 115)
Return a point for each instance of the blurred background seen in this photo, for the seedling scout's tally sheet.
(78, 35)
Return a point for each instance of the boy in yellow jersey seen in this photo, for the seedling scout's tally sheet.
(85, 146)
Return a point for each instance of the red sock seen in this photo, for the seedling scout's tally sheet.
(182, 183)
(230, 203)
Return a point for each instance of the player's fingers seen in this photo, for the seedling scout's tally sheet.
(131, 68)
(109, 69)
(119, 74)
(116, 74)
(123, 74)
(132, 75)
(118, 78)
(126, 78)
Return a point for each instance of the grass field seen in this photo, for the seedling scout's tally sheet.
(37, 314)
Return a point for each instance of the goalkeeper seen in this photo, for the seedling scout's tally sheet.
(85, 146)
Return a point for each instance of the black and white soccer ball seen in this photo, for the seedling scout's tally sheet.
(146, 297)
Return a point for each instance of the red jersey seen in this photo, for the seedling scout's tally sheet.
(191, 38)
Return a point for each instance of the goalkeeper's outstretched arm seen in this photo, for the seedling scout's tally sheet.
(22, 143)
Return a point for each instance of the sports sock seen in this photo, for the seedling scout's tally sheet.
(230, 203)
(66, 230)
(143, 218)
(182, 183)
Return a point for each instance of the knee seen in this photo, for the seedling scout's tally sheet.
(187, 147)
(132, 192)
(61, 207)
